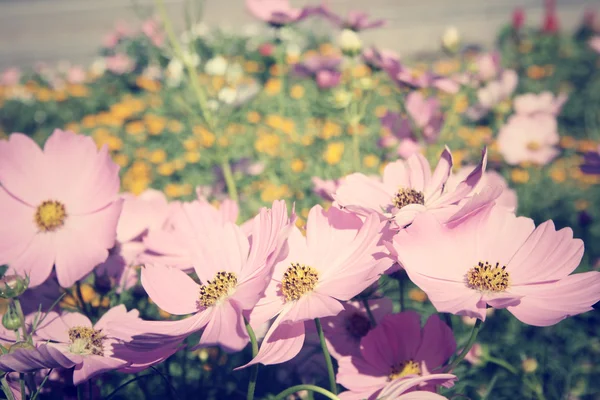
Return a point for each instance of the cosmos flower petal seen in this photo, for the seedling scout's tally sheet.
(398, 388)
(42, 357)
(358, 375)
(419, 172)
(363, 194)
(396, 175)
(550, 303)
(16, 230)
(313, 305)
(440, 174)
(94, 365)
(437, 343)
(171, 289)
(226, 328)
(37, 259)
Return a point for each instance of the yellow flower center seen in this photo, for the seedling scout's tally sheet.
(403, 369)
(534, 146)
(357, 325)
(298, 280)
(219, 288)
(404, 197)
(487, 278)
(50, 215)
(86, 341)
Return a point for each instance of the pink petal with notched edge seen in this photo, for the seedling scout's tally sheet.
(93, 365)
(358, 375)
(42, 357)
(440, 174)
(282, 343)
(548, 304)
(37, 259)
(226, 328)
(82, 243)
(546, 255)
(92, 176)
(363, 194)
(398, 388)
(171, 289)
(17, 229)
(24, 172)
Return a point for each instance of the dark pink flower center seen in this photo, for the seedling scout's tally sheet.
(357, 325)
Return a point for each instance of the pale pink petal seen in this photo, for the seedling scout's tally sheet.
(54, 328)
(17, 229)
(95, 365)
(226, 328)
(357, 375)
(396, 175)
(398, 388)
(363, 194)
(441, 174)
(465, 187)
(313, 305)
(37, 259)
(171, 289)
(419, 172)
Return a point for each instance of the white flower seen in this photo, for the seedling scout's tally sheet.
(174, 72)
(227, 95)
(98, 67)
(451, 39)
(216, 66)
(234, 73)
(349, 42)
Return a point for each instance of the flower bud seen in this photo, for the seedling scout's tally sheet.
(12, 286)
(529, 365)
(20, 345)
(451, 40)
(350, 42)
(11, 320)
(341, 98)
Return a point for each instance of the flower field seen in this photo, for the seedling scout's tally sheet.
(284, 214)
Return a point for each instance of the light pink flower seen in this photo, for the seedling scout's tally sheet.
(407, 189)
(403, 389)
(120, 64)
(542, 103)
(278, 12)
(396, 350)
(148, 211)
(76, 74)
(529, 139)
(344, 331)
(498, 90)
(491, 257)
(340, 257)
(325, 188)
(58, 206)
(474, 355)
(10, 76)
(488, 65)
(234, 270)
(151, 28)
(508, 198)
(595, 43)
(426, 114)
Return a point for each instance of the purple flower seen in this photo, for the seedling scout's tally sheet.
(323, 69)
(591, 163)
(381, 58)
(278, 12)
(404, 76)
(355, 20)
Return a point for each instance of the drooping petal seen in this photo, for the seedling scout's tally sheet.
(94, 365)
(171, 289)
(226, 328)
(440, 174)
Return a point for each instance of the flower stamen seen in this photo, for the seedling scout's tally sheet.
(298, 280)
(487, 278)
(50, 215)
(219, 288)
(404, 197)
(405, 368)
(86, 341)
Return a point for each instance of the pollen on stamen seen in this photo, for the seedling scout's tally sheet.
(404, 197)
(216, 290)
(405, 368)
(86, 341)
(488, 278)
(50, 215)
(298, 280)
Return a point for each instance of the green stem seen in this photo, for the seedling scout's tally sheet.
(502, 364)
(21, 316)
(311, 388)
(369, 313)
(39, 389)
(6, 389)
(355, 148)
(254, 368)
(330, 373)
(229, 181)
(80, 394)
(468, 346)
(22, 385)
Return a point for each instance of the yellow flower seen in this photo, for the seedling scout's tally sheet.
(558, 174)
(417, 295)
(44, 94)
(272, 192)
(77, 91)
(175, 126)
(190, 144)
(274, 121)
(297, 92)
(586, 146)
(192, 157)
(147, 84)
(273, 86)
(72, 126)
(519, 175)
(330, 129)
(328, 49)
(207, 138)
(333, 153)
(380, 111)
(267, 143)
(360, 71)
(158, 156)
(172, 190)
(155, 124)
(253, 117)
(251, 67)
(385, 91)
(121, 159)
(307, 140)
(287, 126)
(114, 143)
(166, 169)
(371, 161)
(135, 128)
(297, 165)
(223, 141)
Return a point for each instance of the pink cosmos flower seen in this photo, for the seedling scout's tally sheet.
(10, 76)
(234, 270)
(403, 389)
(494, 258)
(140, 214)
(59, 206)
(172, 243)
(488, 65)
(325, 188)
(542, 103)
(278, 12)
(356, 20)
(405, 77)
(340, 257)
(120, 64)
(396, 350)
(407, 189)
(594, 43)
(508, 198)
(474, 355)
(498, 90)
(381, 58)
(152, 29)
(529, 139)
(344, 331)
(76, 74)
(426, 114)
(325, 70)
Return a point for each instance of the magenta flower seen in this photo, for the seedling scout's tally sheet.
(406, 77)
(396, 350)
(508, 197)
(529, 139)
(426, 114)
(278, 12)
(542, 103)
(234, 270)
(58, 206)
(140, 214)
(407, 189)
(494, 258)
(344, 331)
(381, 58)
(325, 70)
(339, 258)
(356, 20)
